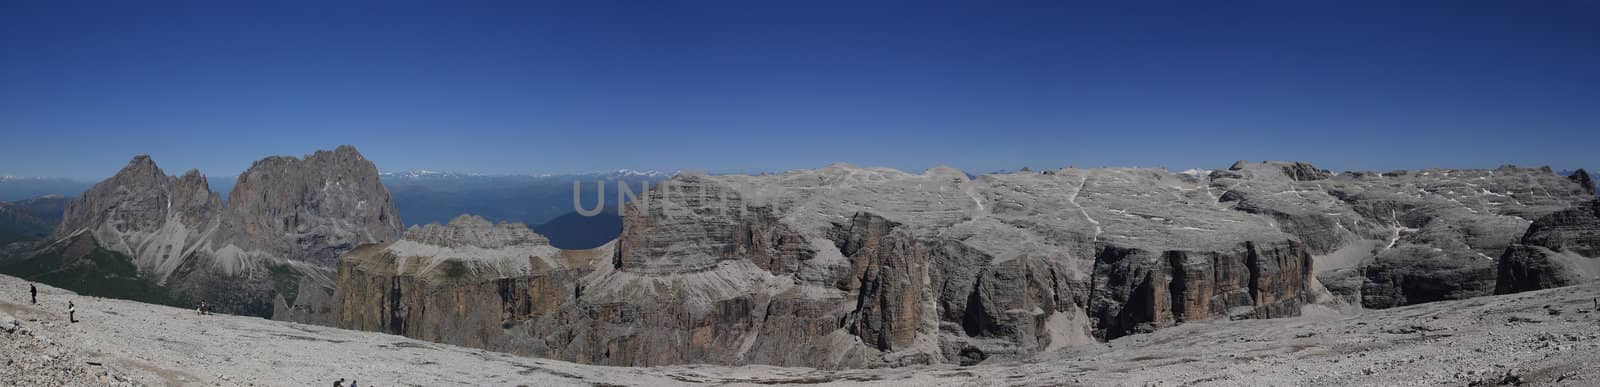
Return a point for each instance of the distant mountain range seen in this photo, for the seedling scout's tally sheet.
(30, 218)
(425, 197)
(14, 188)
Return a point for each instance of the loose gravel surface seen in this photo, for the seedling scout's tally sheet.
(1550, 337)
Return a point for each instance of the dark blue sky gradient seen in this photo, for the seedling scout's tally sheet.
(531, 87)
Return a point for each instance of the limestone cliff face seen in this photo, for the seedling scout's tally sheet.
(141, 212)
(474, 231)
(1582, 178)
(1575, 229)
(845, 267)
(1139, 290)
(1559, 249)
(287, 221)
(696, 223)
(310, 209)
(468, 282)
(1403, 237)
(851, 267)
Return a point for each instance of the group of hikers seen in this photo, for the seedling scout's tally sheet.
(72, 309)
(340, 383)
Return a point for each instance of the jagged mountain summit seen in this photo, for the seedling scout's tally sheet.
(845, 267)
(540, 201)
(288, 221)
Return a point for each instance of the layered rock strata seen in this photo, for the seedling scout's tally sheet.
(846, 267)
(1559, 249)
(1402, 237)
(850, 267)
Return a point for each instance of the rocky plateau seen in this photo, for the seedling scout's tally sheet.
(846, 267)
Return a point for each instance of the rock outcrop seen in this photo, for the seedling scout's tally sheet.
(465, 283)
(309, 210)
(1583, 179)
(280, 234)
(1559, 249)
(155, 219)
(845, 267)
(1402, 237)
(1143, 290)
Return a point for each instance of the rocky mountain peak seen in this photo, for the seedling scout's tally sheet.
(288, 217)
(342, 154)
(141, 169)
(475, 231)
(141, 159)
(194, 179)
(1300, 171)
(1294, 170)
(138, 193)
(310, 209)
(1581, 177)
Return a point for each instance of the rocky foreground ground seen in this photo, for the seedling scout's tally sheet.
(1549, 337)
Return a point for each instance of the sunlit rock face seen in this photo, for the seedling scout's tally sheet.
(1402, 237)
(276, 240)
(849, 267)
(852, 267)
(144, 213)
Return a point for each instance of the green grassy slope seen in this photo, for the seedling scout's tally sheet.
(100, 273)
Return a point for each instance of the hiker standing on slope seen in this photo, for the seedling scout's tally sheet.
(72, 311)
(34, 292)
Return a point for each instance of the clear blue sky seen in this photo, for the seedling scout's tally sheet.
(523, 87)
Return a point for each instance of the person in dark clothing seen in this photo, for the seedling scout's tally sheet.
(72, 311)
(34, 292)
(339, 383)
